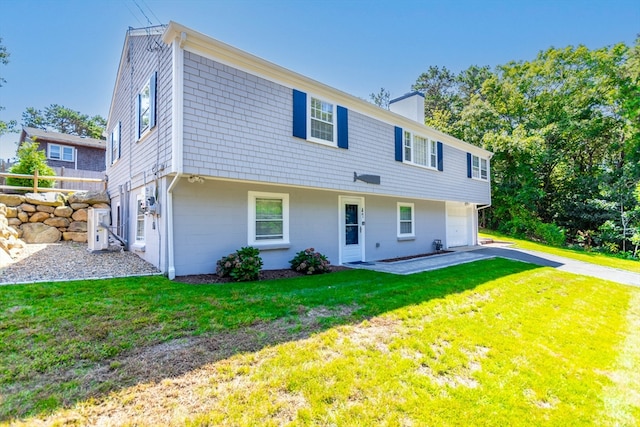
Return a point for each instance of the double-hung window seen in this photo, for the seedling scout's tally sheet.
(420, 150)
(479, 168)
(268, 218)
(406, 221)
(407, 146)
(140, 217)
(146, 107)
(115, 143)
(322, 116)
(61, 152)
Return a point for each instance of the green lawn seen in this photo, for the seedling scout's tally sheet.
(580, 255)
(494, 342)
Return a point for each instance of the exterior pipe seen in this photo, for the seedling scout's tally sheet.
(171, 269)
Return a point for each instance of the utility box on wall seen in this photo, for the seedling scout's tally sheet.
(97, 232)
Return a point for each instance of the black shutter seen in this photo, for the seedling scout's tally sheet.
(398, 138)
(440, 157)
(299, 114)
(469, 165)
(343, 127)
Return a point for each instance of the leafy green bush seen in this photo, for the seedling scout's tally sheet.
(533, 228)
(31, 159)
(244, 265)
(549, 233)
(310, 262)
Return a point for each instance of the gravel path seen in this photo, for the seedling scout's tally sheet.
(72, 261)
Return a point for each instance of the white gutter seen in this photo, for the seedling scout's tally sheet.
(177, 132)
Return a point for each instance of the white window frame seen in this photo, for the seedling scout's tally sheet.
(141, 218)
(62, 149)
(479, 168)
(412, 221)
(253, 240)
(334, 122)
(115, 143)
(411, 153)
(146, 92)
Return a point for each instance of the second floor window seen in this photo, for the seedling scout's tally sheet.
(479, 168)
(420, 150)
(322, 120)
(146, 106)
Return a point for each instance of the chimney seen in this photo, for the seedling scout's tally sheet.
(410, 105)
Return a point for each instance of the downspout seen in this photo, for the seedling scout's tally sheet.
(177, 115)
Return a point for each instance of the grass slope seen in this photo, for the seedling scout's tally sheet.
(494, 342)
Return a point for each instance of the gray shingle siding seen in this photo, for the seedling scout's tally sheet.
(239, 126)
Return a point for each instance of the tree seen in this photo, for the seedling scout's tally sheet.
(4, 60)
(65, 120)
(381, 99)
(441, 100)
(31, 159)
(565, 132)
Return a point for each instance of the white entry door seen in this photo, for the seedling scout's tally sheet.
(458, 224)
(351, 229)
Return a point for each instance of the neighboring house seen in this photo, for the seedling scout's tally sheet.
(212, 149)
(68, 151)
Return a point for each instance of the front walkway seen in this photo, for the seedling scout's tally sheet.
(475, 253)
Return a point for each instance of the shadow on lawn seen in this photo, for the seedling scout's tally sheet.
(309, 305)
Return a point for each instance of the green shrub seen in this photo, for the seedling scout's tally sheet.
(244, 265)
(550, 234)
(31, 159)
(310, 262)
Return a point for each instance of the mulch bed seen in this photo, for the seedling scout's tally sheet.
(203, 279)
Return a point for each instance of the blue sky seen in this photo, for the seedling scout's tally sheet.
(67, 51)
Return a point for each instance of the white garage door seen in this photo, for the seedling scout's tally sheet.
(458, 224)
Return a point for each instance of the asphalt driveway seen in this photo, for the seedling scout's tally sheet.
(476, 253)
(565, 264)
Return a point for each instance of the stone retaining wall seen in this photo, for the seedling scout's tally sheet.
(46, 217)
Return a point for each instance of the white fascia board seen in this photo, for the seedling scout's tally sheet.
(216, 50)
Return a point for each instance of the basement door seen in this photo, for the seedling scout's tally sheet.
(351, 229)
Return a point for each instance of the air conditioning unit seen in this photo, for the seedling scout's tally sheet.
(97, 233)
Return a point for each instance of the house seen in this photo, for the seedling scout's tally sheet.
(212, 149)
(68, 151)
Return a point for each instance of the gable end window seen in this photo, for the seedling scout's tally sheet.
(146, 107)
(268, 218)
(61, 152)
(406, 221)
(478, 167)
(115, 143)
(319, 120)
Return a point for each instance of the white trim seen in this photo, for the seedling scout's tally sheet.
(115, 131)
(251, 223)
(479, 177)
(334, 114)
(141, 133)
(431, 144)
(401, 235)
(137, 240)
(177, 109)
